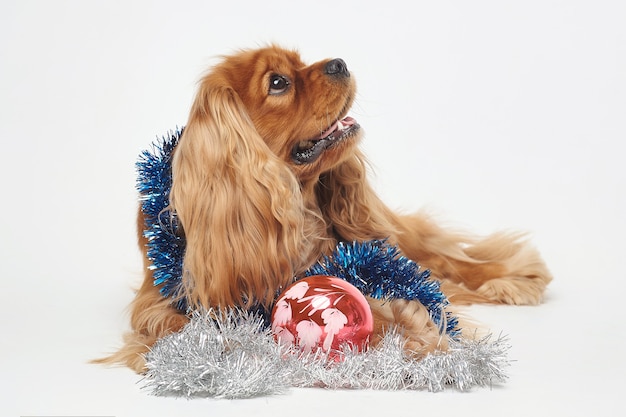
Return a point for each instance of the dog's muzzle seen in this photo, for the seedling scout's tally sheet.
(308, 151)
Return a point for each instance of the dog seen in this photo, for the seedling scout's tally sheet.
(268, 177)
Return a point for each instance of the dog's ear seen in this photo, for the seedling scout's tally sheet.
(239, 205)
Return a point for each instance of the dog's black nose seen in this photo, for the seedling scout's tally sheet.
(337, 67)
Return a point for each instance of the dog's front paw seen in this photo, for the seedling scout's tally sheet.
(525, 281)
(514, 290)
(414, 322)
(521, 277)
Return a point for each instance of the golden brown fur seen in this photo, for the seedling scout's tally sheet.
(255, 214)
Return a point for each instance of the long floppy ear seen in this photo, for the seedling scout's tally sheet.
(239, 205)
(351, 205)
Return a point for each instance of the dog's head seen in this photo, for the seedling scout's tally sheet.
(263, 127)
(298, 110)
(266, 174)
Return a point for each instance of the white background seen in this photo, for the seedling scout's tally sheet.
(493, 114)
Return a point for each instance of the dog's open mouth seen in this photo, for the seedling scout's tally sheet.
(307, 151)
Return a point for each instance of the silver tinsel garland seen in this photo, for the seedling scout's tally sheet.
(233, 355)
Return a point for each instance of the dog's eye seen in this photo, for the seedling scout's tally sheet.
(278, 84)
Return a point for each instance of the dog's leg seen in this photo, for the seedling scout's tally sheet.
(502, 268)
(499, 269)
(151, 317)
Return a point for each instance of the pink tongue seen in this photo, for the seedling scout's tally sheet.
(348, 121)
(330, 130)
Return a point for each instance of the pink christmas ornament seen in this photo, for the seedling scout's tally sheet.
(322, 312)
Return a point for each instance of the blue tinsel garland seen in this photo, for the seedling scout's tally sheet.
(376, 268)
(166, 246)
(379, 270)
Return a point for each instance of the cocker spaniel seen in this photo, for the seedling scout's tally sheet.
(268, 177)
